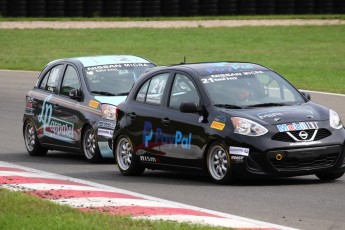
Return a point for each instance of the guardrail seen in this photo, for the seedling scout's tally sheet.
(153, 8)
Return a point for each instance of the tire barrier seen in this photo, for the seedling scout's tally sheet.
(112, 8)
(74, 8)
(265, 7)
(3, 8)
(246, 7)
(56, 8)
(156, 8)
(132, 8)
(227, 7)
(170, 7)
(189, 7)
(93, 8)
(17, 8)
(209, 7)
(285, 7)
(36, 8)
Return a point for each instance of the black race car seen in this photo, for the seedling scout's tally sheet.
(229, 120)
(72, 107)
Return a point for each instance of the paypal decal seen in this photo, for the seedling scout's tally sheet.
(177, 139)
(228, 68)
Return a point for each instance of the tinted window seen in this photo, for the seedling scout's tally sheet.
(114, 78)
(44, 81)
(141, 96)
(70, 81)
(250, 88)
(51, 79)
(152, 91)
(183, 90)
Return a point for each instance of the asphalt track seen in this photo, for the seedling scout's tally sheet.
(302, 202)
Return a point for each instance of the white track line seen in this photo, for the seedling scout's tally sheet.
(221, 219)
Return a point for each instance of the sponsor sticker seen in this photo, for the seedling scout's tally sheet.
(217, 125)
(220, 118)
(239, 151)
(297, 126)
(237, 158)
(105, 132)
(93, 103)
(106, 124)
(178, 139)
(52, 126)
(148, 159)
(305, 143)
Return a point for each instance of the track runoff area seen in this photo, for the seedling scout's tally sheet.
(87, 196)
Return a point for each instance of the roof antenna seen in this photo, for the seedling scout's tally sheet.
(184, 60)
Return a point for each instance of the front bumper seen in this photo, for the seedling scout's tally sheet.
(105, 130)
(292, 162)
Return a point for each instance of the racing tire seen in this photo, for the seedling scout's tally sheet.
(218, 164)
(90, 147)
(329, 176)
(127, 162)
(32, 144)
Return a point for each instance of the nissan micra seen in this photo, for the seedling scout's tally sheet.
(226, 119)
(72, 106)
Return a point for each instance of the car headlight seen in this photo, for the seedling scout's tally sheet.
(109, 112)
(247, 127)
(334, 120)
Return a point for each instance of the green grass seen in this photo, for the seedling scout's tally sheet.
(21, 211)
(311, 57)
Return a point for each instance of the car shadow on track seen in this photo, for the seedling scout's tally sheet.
(166, 177)
(54, 157)
(106, 170)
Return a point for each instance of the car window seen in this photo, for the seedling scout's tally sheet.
(51, 79)
(43, 84)
(152, 91)
(274, 89)
(250, 88)
(141, 96)
(70, 81)
(183, 90)
(114, 79)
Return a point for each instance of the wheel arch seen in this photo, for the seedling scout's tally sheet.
(210, 142)
(82, 133)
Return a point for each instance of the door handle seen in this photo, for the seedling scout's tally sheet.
(57, 107)
(165, 121)
(132, 116)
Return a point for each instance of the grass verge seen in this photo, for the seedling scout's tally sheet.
(21, 211)
(310, 57)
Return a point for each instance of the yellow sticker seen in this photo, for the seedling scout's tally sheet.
(217, 125)
(93, 103)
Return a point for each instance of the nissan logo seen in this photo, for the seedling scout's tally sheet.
(303, 135)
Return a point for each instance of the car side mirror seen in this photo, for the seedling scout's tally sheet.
(74, 94)
(189, 107)
(306, 95)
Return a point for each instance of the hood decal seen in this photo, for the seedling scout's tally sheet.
(284, 112)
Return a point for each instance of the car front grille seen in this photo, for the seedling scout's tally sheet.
(304, 164)
(287, 136)
(304, 159)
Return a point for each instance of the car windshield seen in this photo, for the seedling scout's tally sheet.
(114, 79)
(245, 89)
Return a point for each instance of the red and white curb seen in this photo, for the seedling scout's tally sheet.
(87, 196)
